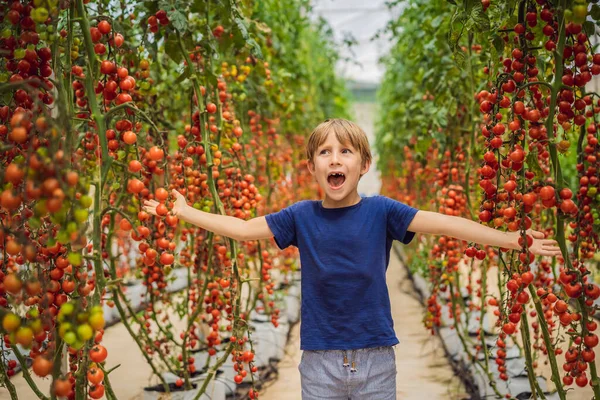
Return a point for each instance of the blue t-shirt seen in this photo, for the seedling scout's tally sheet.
(344, 254)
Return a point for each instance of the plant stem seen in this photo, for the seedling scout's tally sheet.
(27, 375)
(106, 160)
(548, 342)
(526, 347)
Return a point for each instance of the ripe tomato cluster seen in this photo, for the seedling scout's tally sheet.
(528, 127)
(92, 125)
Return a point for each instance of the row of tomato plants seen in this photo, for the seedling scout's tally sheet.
(500, 117)
(106, 105)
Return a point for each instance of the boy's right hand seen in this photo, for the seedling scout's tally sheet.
(178, 206)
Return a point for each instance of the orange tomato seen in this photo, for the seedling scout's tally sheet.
(98, 353)
(42, 366)
(62, 387)
(95, 375)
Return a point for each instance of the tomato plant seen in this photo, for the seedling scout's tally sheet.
(105, 105)
(488, 102)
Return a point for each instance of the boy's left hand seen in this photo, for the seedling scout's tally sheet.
(540, 245)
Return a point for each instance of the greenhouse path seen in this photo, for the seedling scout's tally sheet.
(423, 370)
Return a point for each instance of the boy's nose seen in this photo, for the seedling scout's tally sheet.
(334, 159)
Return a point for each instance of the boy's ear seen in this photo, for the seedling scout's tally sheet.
(365, 168)
(311, 167)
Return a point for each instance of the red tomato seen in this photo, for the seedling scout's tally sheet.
(95, 376)
(98, 354)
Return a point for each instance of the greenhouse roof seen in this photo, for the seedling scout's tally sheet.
(358, 21)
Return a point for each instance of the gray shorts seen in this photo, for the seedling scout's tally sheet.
(324, 376)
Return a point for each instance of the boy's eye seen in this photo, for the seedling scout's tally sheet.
(346, 150)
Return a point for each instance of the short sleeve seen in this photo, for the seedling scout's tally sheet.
(283, 227)
(399, 217)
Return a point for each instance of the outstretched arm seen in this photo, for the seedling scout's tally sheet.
(235, 228)
(471, 231)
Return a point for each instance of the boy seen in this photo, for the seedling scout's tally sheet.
(344, 242)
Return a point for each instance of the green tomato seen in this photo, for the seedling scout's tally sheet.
(77, 345)
(19, 54)
(592, 191)
(81, 215)
(6, 33)
(85, 332)
(197, 206)
(36, 325)
(70, 338)
(67, 308)
(569, 15)
(96, 310)
(96, 321)
(62, 237)
(58, 217)
(41, 14)
(580, 12)
(82, 317)
(71, 227)
(40, 208)
(74, 259)
(86, 201)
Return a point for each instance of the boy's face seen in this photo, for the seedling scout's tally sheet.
(337, 168)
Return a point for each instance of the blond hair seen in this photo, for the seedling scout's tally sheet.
(345, 132)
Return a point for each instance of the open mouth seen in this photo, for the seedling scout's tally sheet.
(336, 180)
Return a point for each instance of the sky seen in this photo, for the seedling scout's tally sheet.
(362, 20)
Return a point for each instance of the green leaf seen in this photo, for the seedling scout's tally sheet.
(172, 49)
(533, 164)
(178, 20)
(498, 43)
(198, 6)
(182, 77)
(241, 25)
(480, 19)
(453, 2)
(255, 49)
(423, 145)
(595, 12)
(459, 58)
(589, 27)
